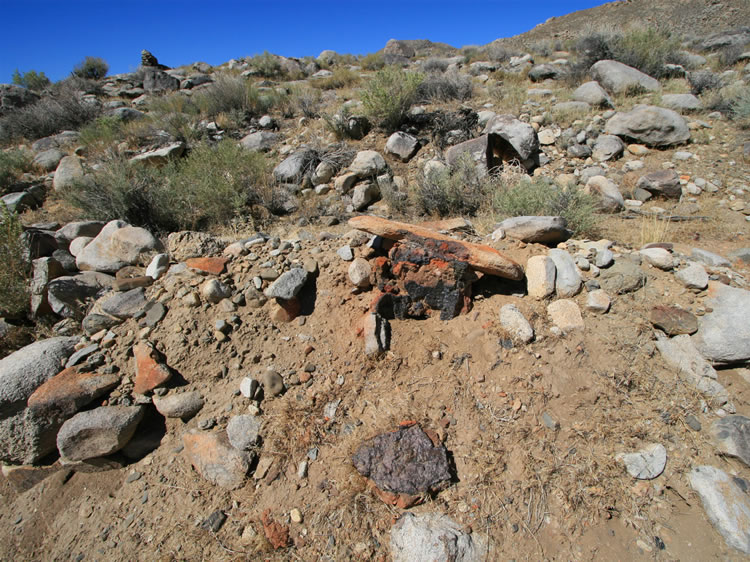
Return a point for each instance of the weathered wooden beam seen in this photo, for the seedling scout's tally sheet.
(478, 256)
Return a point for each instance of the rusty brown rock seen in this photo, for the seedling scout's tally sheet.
(285, 310)
(478, 256)
(132, 283)
(673, 320)
(215, 266)
(150, 372)
(276, 533)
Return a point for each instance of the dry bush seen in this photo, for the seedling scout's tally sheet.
(13, 163)
(445, 87)
(372, 61)
(307, 101)
(341, 78)
(14, 275)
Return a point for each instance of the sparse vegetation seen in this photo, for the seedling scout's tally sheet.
(14, 274)
(232, 93)
(212, 185)
(266, 65)
(461, 189)
(31, 79)
(444, 87)
(702, 81)
(538, 196)
(91, 68)
(341, 78)
(372, 61)
(62, 109)
(307, 101)
(13, 163)
(389, 94)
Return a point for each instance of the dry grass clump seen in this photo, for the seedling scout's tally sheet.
(341, 78)
(14, 275)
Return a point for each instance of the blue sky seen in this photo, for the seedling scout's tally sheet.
(53, 35)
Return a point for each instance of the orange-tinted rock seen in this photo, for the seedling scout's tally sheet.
(276, 533)
(150, 371)
(70, 390)
(216, 460)
(478, 256)
(284, 311)
(214, 266)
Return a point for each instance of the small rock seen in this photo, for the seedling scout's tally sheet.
(242, 432)
(273, 384)
(514, 322)
(566, 315)
(598, 301)
(646, 464)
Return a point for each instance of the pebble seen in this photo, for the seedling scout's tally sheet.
(295, 515)
(345, 253)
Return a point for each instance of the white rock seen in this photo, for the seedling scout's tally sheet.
(515, 323)
(540, 277)
(658, 257)
(646, 464)
(565, 315)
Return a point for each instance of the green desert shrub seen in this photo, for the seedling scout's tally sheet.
(233, 93)
(372, 61)
(62, 109)
(539, 197)
(447, 86)
(32, 80)
(460, 189)
(389, 94)
(13, 163)
(341, 78)
(14, 274)
(266, 65)
(91, 68)
(102, 132)
(209, 187)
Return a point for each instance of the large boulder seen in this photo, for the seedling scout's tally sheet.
(49, 160)
(156, 80)
(68, 173)
(542, 72)
(724, 334)
(521, 136)
(295, 166)
(118, 244)
(21, 373)
(650, 125)
(15, 97)
(619, 78)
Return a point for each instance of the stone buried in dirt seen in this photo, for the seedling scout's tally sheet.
(482, 258)
(646, 464)
(216, 460)
(99, 432)
(432, 537)
(150, 371)
(566, 315)
(623, 277)
(376, 331)
(726, 503)
(405, 461)
(515, 323)
(661, 182)
(732, 435)
(694, 276)
(673, 320)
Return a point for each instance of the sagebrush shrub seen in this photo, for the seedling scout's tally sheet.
(461, 189)
(13, 163)
(91, 68)
(373, 61)
(266, 65)
(211, 186)
(233, 93)
(32, 80)
(389, 94)
(14, 274)
(341, 78)
(445, 87)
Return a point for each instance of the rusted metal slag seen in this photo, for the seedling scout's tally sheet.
(416, 280)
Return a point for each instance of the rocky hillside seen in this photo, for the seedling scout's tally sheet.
(689, 19)
(446, 308)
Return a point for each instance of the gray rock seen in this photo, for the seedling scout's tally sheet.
(368, 163)
(99, 432)
(520, 135)
(19, 201)
(68, 295)
(571, 106)
(724, 334)
(73, 230)
(543, 230)
(568, 281)
(359, 273)
(607, 147)
(576, 150)
(662, 182)
(160, 156)
(156, 80)
(620, 78)
(658, 257)
(681, 354)
(295, 166)
(682, 102)
(364, 194)
(593, 94)
(68, 173)
(515, 323)
(288, 285)
(94, 323)
(726, 504)
(540, 72)
(732, 436)
(623, 277)
(97, 255)
(402, 145)
(124, 305)
(609, 198)
(273, 384)
(403, 461)
(261, 141)
(433, 537)
(650, 125)
(81, 354)
(127, 114)
(741, 255)
(242, 432)
(182, 405)
(646, 464)
(737, 36)
(709, 258)
(215, 291)
(345, 252)
(154, 313)
(188, 244)
(49, 160)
